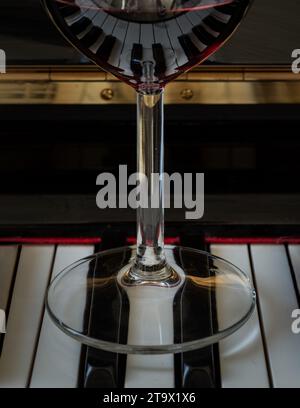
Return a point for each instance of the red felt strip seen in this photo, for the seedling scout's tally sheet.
(168, 240)
(253, 240)
(52, 240)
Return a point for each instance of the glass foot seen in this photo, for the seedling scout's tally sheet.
(200, 301)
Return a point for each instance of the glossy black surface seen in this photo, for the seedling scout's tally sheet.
(230, 144)
(197, 368)
(268, 35)
(103, 369)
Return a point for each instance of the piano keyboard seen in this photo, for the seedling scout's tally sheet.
(34, 353)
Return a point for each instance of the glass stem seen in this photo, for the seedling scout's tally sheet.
(150, 168)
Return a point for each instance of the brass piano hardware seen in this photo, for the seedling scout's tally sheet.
(215, 76)
(270, 76)
(107, 94)
(187, 94)
(77, 76)
(15, 76)
(202, 85)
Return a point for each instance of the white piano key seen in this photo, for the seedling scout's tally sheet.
(8, 257)
(198, 17)
(221, 16)
(120, 33)
(200, 14)
(151, 322)
(99, 18)
(98, 21)
(25, 315)
(85, 32)
(132, 37)
(88, 10)
(100, 3)
(74, 17)
(194, 18)
(242, 358)
(107, 27)
(185, 24)
(277, 299)
(174, 32)
(133, 33)
(90, 13)
(57, 359)
(161, 37)
(186, 27)
(294, 251)
(147, 39)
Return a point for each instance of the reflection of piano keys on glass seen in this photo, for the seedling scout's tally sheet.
(172, 41)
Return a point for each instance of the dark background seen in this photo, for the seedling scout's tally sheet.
(61, 149)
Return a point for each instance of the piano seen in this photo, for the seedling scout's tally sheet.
(63, 122)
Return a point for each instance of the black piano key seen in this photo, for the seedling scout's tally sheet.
(136, 59)
(194, 369)
(106, 48)
(159, 58)
(92, 36)
(80, 25)
(228, 9)
(67, 11)
(188, 46)
(203, 36)
(198, 368)
(214, 24)
(106, 369)
(101, 369)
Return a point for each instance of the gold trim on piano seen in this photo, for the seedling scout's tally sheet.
(202, 85)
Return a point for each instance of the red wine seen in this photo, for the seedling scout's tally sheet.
(147, 43)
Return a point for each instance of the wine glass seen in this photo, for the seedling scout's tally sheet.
(150, 298)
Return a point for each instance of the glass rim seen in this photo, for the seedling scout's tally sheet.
(172, 348)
